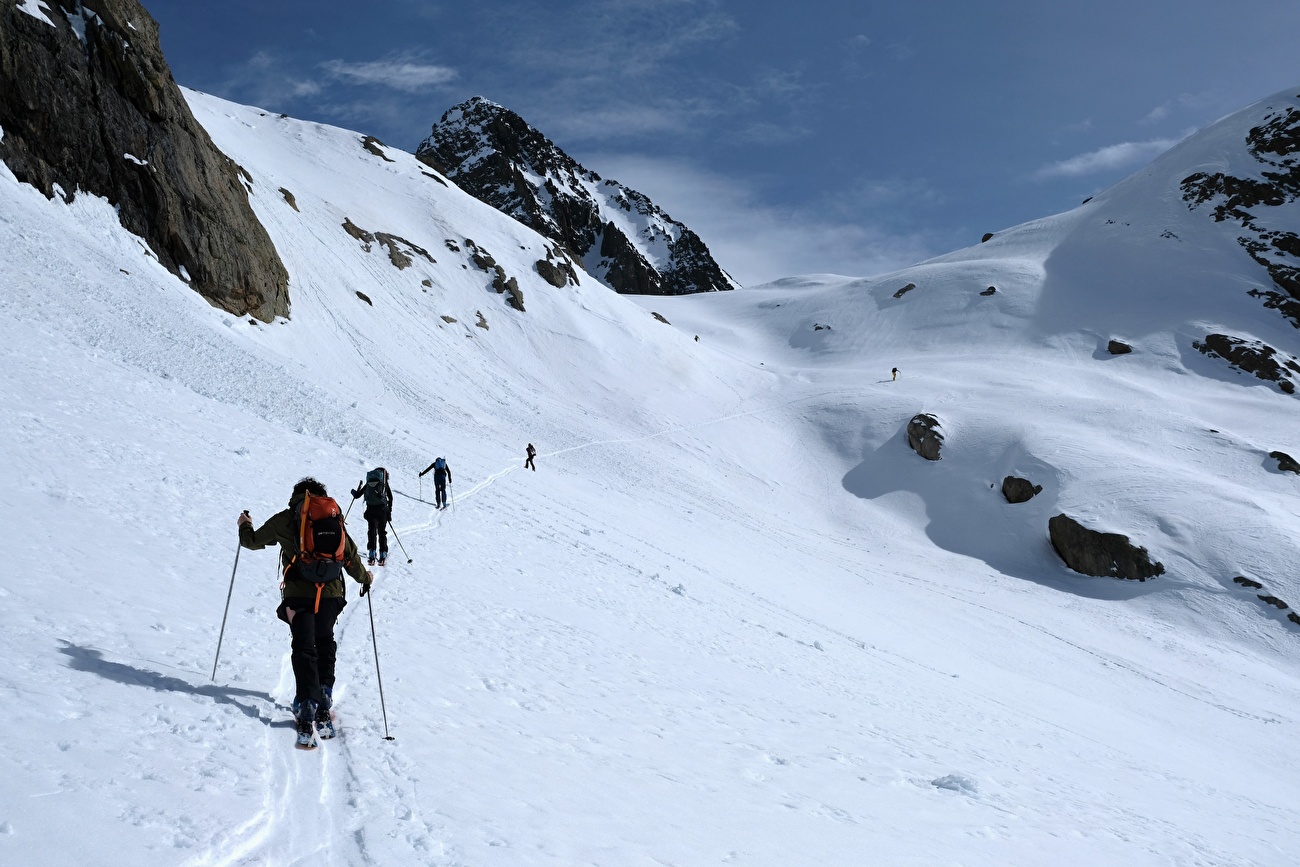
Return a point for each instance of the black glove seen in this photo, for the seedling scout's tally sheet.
(356, 495)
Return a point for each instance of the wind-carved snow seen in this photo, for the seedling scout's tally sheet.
(729, 601)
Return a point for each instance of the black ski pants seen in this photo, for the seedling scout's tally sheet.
(377, 525)
(314, 648)
(439, 492)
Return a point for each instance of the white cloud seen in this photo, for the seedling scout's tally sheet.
(757, 242)
(407, 73)
(1108, 159)
(1157, 114)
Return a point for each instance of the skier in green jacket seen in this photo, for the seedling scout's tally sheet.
(309, 608)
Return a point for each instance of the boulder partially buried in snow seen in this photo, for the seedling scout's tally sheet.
(925, 436)
(1018, 490)
(1285, 463)
(1102, 555)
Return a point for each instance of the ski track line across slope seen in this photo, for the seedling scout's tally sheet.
(491, 479)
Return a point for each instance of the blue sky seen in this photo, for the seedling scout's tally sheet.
(850, 137)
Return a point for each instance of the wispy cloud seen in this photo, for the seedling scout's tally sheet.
(1107, 159)
(757, 242)
(1185, 102)
(406, 72)
(264, 80)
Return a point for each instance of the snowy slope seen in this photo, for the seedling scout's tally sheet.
(731, 619)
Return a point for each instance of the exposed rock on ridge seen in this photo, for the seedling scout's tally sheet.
(87, 103)
(1252, 201)
(618, 234)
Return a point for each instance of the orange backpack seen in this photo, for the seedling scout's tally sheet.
(322, 539)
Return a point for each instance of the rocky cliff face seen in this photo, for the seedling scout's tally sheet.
(619, 235)
(87, 103)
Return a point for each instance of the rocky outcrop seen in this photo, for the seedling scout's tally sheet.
(399, 249)
(1254, 203)
(924, 436)
(504, 284)
(1102, 555)
(88, 104)
(908, 288)
(1251, 356)
(992, 290)
(1118, 347)
(618, 234)
(1018, 490)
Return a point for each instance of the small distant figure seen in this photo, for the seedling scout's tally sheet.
(894, 371)
(532, 453)
(379, 511)
(441, 476)
(697, 338)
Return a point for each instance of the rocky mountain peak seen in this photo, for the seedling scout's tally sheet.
(621, 237)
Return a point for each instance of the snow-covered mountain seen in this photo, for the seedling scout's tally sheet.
(732, 618)
(622, 238)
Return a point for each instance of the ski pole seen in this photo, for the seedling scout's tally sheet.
(226, 613)
(378, 676)
(354, 499)
(451, 489)
(421, 487)
(399, 540)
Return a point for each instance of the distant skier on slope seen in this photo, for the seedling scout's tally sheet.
(894, 371)
(315, 550)
(379, 511)
(532, 453)
(441, 476)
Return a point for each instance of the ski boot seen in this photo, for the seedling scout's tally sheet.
(304, 715)
(371, 561)
(383, 558)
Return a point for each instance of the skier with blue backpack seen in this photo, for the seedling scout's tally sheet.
(379, 511)
(441, 476)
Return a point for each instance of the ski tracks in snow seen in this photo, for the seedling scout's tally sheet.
(345, 803)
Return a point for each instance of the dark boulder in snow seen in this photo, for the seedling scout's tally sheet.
(924, 436)
(908, 288)
(992, 290)
(1246, 582)
(1252, 356)
(550, 273)
(1102, 555)
(87, 102)
(1285, 463)
(1018, 490)
(1118, 347)
(621, 237)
